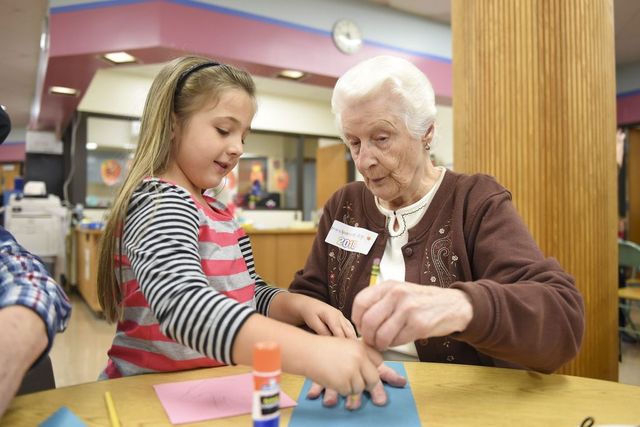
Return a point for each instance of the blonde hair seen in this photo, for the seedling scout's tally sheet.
(369, 77)
(181, 88)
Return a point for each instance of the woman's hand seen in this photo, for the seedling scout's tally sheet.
(393, 313)
(378, 395)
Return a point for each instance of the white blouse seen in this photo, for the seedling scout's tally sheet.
(392, 264)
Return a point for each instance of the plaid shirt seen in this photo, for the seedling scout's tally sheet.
(24, 281)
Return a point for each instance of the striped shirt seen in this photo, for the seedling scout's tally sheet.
(188, 283)
(24, 281)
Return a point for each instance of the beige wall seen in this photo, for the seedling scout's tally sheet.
(282, 107)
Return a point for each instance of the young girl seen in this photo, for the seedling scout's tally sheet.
(176, 271)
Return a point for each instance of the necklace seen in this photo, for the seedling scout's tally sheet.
(426, 200)
(404, 221)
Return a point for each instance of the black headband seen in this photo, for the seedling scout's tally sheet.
(183, 77)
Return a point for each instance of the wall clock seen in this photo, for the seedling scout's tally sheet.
(347, 36)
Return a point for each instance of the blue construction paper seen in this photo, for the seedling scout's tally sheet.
(63, 417)
(399, 411)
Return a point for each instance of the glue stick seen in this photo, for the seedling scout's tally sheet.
(266, 384)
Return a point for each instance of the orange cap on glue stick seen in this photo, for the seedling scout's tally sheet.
(266, 357)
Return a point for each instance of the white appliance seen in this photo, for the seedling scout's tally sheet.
(39, 223)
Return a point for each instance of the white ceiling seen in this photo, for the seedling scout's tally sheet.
(436, 10)
(283, 87)
(21, 23)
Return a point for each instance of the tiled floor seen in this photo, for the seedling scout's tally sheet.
(629, 368)
(80, 353)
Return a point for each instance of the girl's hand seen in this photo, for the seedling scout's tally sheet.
(323, 319)
(345, 365)
(378, 395)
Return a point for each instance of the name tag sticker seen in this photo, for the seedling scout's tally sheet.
(352, 239)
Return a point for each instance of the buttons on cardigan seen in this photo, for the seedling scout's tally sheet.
(408, 251)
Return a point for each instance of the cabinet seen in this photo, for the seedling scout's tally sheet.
(8, 174)
(278, 254)
(87, 266)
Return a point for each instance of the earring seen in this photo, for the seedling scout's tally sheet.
(429, 137)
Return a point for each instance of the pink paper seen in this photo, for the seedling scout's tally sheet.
(211, 398)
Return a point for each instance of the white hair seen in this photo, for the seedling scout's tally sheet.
(404, 79)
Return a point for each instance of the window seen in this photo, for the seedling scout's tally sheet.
(277, 171)
(110, 145)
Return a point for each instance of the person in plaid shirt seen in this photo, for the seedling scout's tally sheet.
(32, 307)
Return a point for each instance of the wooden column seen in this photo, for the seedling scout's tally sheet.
(534, 106)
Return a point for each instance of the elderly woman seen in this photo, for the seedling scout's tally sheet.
(461, 279)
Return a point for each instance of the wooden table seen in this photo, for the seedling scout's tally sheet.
(446, 395)
(629, 293)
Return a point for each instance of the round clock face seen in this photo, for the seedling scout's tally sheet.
(347, 36)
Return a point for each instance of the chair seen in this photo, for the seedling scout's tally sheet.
(629, 260)
(38, 378)
(629, 256)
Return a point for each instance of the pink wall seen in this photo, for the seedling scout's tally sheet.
(159, 30)
(12, 152)
(628, 108)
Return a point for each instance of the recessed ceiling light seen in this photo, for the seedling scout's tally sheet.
(61, 90)
(291, 74)
(91, 145)
(119, 57)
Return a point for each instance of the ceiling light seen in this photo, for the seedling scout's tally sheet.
(61, 90)
(91, 145)
(119, 58)
(291, 74)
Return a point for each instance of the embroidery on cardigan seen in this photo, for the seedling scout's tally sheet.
(440, 257)
(342, 264)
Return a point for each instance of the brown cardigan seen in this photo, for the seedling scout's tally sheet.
(526, 310)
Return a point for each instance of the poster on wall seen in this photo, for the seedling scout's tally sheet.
(252, 173)
(110, 171)
(106, 170)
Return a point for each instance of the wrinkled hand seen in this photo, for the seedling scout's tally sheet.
(378, 395)
(324, 319)
(393, 313)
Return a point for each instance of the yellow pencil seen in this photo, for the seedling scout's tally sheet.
(373, 279)
(375, 272)
(353, 399)
(113, 416)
